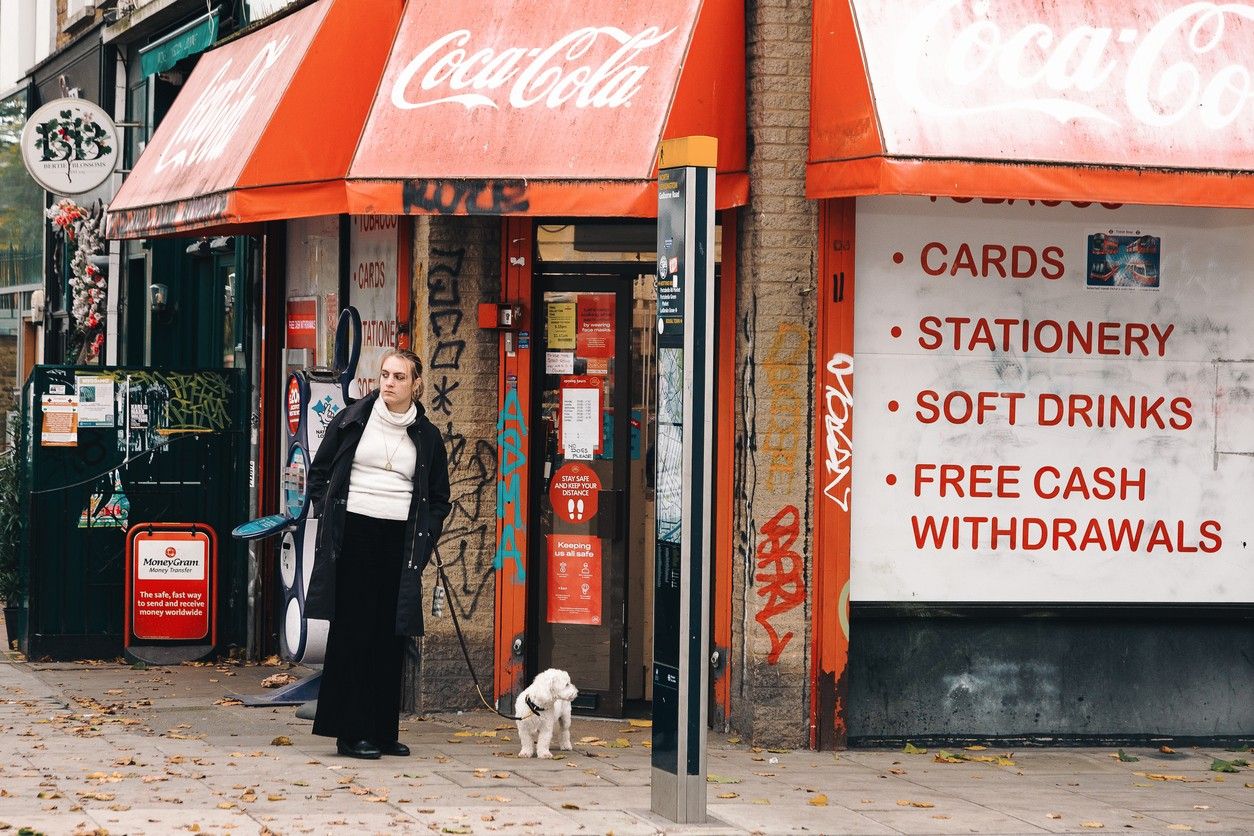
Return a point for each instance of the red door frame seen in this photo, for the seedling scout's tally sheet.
(513, 470)
(833, 478)
(517, 248)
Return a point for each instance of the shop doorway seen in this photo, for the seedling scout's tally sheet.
(590, 600)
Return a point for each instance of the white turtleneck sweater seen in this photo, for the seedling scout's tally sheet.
(374, 490)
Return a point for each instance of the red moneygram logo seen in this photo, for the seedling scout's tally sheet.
(976, 57)
(575, 69)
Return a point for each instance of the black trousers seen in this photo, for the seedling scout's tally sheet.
(360, 694)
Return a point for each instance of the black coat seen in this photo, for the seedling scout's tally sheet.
(328, 491)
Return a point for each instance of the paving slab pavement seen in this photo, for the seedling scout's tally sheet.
(103, 747)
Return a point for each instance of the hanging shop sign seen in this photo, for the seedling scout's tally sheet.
(575, 492)
(574, 579)
(70, 146)
(172, 568)
(1056, 404)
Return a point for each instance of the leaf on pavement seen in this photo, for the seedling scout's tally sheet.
(711, 778)
(1092, 825)
(281, 740)
(976, 748)
(1124, 757)
(1220, 765)
(1166, 750)
(1179, 827)
(729, 795)
(819, 800)
(945, 757)
(641, 724)
(911, 749)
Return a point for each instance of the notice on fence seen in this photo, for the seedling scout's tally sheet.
(60, 422)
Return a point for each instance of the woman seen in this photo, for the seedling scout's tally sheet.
(379, 485)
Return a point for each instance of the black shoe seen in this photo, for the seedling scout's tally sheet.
(359, 749)
(396, 748)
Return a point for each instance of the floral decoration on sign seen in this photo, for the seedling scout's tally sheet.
(83, 229)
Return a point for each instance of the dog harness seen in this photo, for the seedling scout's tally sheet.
(535, 708)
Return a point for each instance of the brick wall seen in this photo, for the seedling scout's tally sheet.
(774, 355)
(457, 265)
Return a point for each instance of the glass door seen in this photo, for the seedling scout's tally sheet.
(578, 588)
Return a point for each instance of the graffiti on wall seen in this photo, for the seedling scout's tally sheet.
(782, 368)
(837, 441)
(511, 429)
(780, 575)
(467, 537)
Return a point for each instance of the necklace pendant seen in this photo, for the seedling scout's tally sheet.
(387, 466)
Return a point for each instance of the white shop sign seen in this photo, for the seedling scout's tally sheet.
(1066, 412)
(372, 290)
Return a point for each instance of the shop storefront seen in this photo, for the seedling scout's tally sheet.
(1045, 215)
(482, 191)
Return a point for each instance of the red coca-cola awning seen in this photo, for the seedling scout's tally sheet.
(265, 127)
(1145, 102)
(476, 107)
(553, 108)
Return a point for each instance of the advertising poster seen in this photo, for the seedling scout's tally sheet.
(1023, 437)
(60, 421)
(302, 326)
(170, 586)
(595, 339)
(95, 400)
(574, 579)
(372, 290)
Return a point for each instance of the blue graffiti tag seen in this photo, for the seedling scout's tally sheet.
(511, 428)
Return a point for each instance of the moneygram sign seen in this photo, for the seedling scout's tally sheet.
(1143, 83)
(70, 146)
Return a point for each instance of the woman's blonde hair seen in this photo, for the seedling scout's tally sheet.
(415, 363)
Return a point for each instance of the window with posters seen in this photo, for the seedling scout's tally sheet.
(313, 282)
(1053, 403)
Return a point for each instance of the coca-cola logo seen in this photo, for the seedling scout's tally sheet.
(961, 58)
(206, 132)
(594, 66)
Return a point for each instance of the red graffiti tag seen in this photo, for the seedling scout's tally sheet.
(783, 585)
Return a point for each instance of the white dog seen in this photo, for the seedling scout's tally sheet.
(543, 706)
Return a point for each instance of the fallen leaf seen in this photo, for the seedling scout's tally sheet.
(277, 680)
(644, 724)
(1092, 825)
(281, 740)
(911, 749)
(1179, 827)
(711, 778)
(733, 740)
(1166, 750)
(761, 801)
(1158, 777)
(976, 748)
(620, 743)
(500, 775)
(1124, 757)
(272, 661)
(228, 701)
(729, 795)
(819, 800)
(569, 806)
(1053, 815)
(455, 829)
(897, 771)
(1220, 765)
(946, 757)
